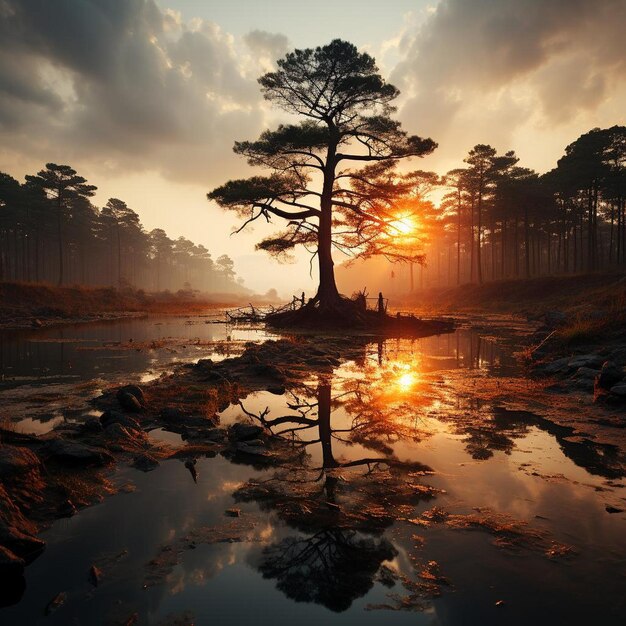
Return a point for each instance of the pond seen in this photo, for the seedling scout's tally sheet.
(491, 513)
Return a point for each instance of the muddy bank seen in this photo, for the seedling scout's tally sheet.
(55, 475)
(585, 355)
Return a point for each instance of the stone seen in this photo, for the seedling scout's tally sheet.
(92, 425)
(145, 462)
(245, 448)
(589, 361)
(10, 563)
(56, 602)
(619, 390)
(556, 367)
(277, 390)
(95, 575)
(129, 402)
(74, 453)
(67, 509)
(618, 355)
(135, 391)
(243, 432)
(16, 461)
(585, 372)
(115, 417)
(12, 577)
(610, 374)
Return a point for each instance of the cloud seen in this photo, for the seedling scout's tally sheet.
(123, 82)
(495, 67)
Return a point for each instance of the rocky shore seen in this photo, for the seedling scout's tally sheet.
(55, 475)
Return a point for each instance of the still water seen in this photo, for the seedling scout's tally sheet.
(528, 540)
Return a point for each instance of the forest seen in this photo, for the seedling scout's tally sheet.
(495, 219)
(50, 231)
(499, 219)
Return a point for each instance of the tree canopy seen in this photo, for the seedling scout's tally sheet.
(332, 176)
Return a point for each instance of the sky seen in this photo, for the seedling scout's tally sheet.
(145, 98)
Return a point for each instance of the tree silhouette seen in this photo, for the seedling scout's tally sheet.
(347, 111)
(62, 184)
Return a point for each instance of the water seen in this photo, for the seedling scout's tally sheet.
(48, 375)
(456, 403)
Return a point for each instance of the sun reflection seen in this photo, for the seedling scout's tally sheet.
(406, 381)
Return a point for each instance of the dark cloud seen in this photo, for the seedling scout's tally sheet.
(123, 81)
(553, 58)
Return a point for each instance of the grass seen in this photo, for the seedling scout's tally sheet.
(578, 293)
(41, 300)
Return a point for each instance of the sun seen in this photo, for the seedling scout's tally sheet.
(403, 226)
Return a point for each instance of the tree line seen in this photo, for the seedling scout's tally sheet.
(50, 231)
(500, 220)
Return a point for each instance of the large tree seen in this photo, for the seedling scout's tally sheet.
(346, 107)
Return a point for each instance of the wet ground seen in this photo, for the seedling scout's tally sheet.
(495, 503)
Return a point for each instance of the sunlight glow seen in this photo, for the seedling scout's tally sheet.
(402, 226)
(406, 381)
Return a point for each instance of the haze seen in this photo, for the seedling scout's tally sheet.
(146, 99)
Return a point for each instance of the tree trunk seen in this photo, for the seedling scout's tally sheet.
(325, 431)
(327, 294)
(60, 236)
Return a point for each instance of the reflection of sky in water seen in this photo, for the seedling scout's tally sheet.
(515, 465)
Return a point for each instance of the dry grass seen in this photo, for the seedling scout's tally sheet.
(579, 292)
(43, 300)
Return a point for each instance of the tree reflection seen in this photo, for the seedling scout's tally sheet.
(340, 505)
(332, 567)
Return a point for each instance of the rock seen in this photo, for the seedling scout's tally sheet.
(135, 391)
(258, 443)
(588, 361)
(191, 466)
(267, 370)
(232, 512)
(91, 425)
(556, 367)
(245, 448)
(16, 461)
(74, 453)
(244, 432)
(67, 509)
(94, 576)
(145, 462)
(172, 414)
(115, 417)
(17, 533)
(610, 374)
(618, 355)
(210, 434)
(619, 390)
(585, 372)
(12, 577)
(10, 564)
(613, 509)
(277, 390)
(129, 402)
(56, 602)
